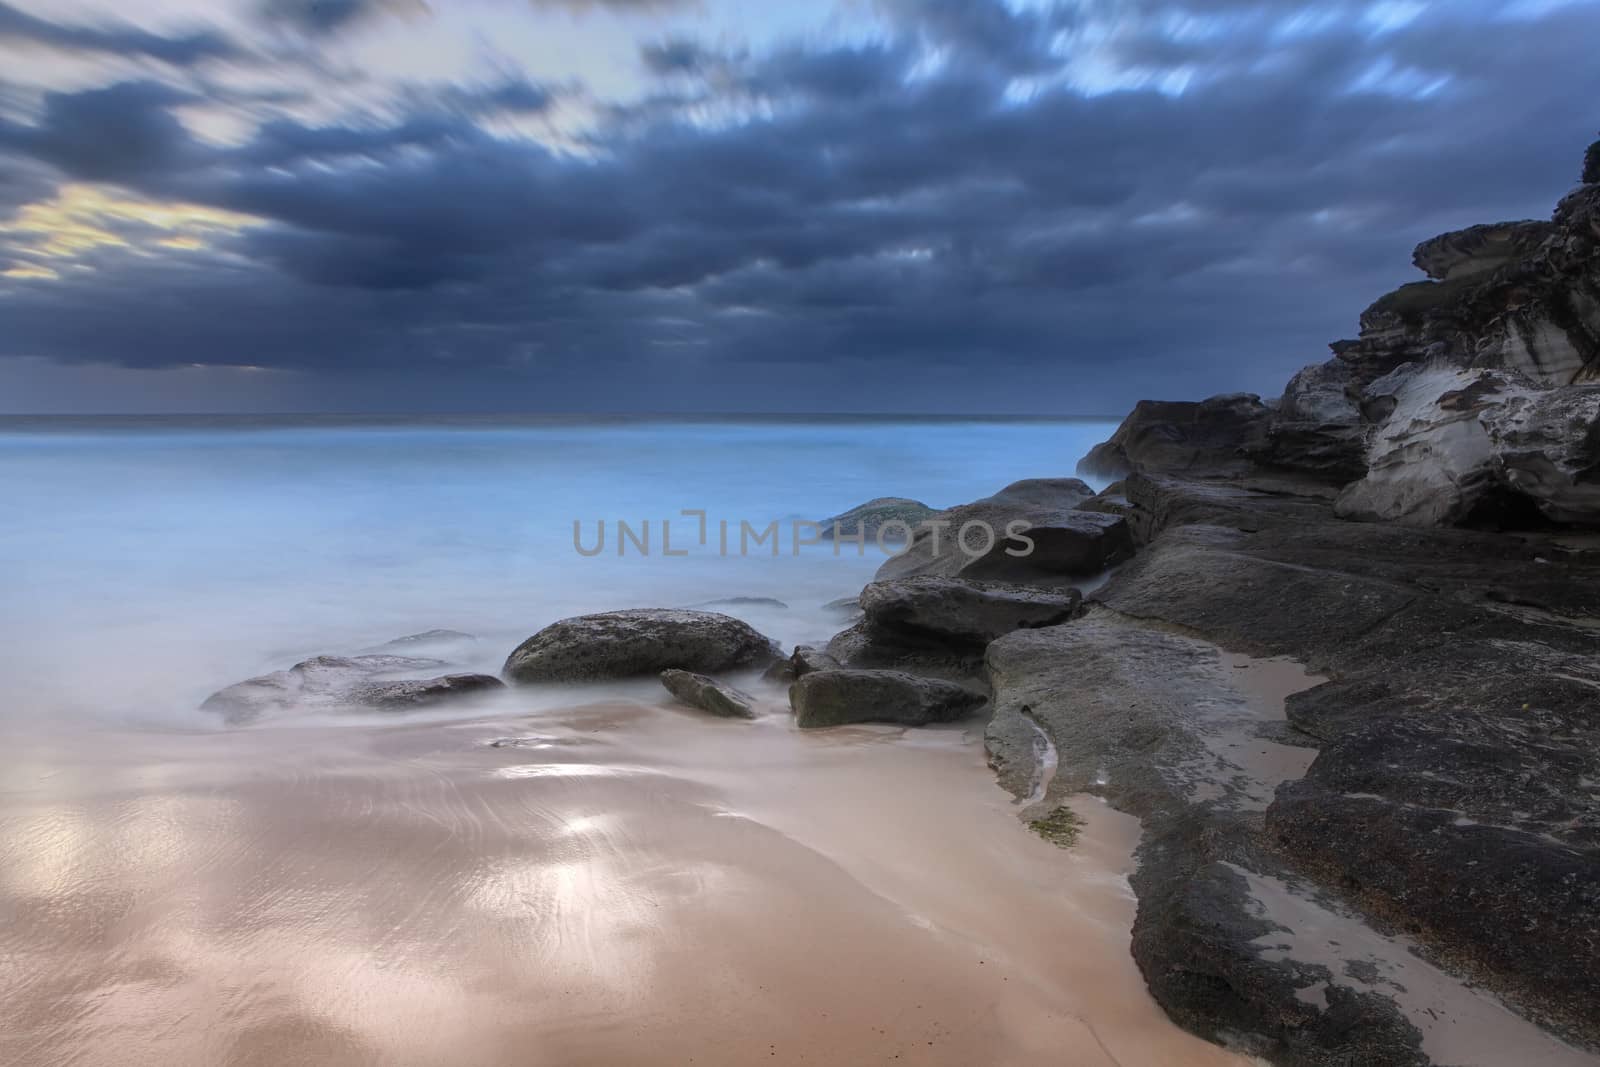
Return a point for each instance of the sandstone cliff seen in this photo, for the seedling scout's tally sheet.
(1472, 398)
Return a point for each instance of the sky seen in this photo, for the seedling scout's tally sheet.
(954, 206)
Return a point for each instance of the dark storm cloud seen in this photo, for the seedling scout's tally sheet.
(124, 132)
(112, 39)
(959, 201)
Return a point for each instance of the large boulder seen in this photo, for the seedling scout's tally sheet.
(866, 520)
(834, 698)
(1205, 439)
(638, 642)
(708, 694)
(1030, 529)
(369, 681)
(938, 610)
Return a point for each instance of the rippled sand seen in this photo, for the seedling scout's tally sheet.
(623, 884)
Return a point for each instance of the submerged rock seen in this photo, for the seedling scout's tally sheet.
(353, 681)
(428, 640)
(838, 697)
(935, 609)
(708, 694)
(642, 641)
(867, 519)
(745, 602)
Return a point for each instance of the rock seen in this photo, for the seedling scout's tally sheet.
(807, 660)
(1207, 439)
(934, 609)
(869, 518)
(1052, 537)
(1479, 249)
(1316, 428)
(1155, 722)
(837, 697)
(1458, 729)
(627, 644)
(437, 642)
(335, 681)
(745, 602)
(865, 648)
(847, 606)
(804, 660)
(407, 695)
(1591, 164)
(708, 694)
(1456, 446)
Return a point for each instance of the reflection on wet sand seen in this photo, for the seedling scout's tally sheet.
(633, 884)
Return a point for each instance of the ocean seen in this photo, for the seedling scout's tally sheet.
(146, 562)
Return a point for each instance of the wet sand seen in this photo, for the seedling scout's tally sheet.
(616, 884)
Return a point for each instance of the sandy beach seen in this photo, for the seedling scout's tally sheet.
(618, 883)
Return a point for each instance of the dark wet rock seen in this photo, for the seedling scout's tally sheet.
(1454, 794)
(807, 660)
(745, 602)
(1316, 428)
(643, 641)
(1154, 722)
(1029, 530)
(867, 520)
(1204, 439)
(934, 610)
(708, 694)
(409, 695)
(349, 681)
(837, 697)
(804, 660)
(862, 647)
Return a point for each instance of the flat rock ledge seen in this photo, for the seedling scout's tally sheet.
(839, 697)
(708, 694)
(637, 643)
(1449, 821)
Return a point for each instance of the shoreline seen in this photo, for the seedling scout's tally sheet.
(620, 883)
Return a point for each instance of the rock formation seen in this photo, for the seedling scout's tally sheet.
(1468, 399)
(368, 681)
(641, 641)
(976, 541)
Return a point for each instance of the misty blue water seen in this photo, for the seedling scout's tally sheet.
(145, 563)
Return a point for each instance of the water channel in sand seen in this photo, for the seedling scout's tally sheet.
(619, 883)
